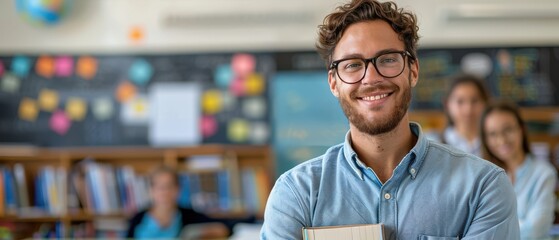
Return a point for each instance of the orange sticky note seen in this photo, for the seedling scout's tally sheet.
(76, 109)
(48, 100)
(87, 67)
(45, 66)
(125, 91)
(28, 109)
(136, 34)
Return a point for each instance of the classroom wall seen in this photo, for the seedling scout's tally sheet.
(225, 25)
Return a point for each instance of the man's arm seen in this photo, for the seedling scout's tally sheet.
(495, 215)
(285, 214)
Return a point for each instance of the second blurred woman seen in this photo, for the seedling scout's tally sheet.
(505, 143)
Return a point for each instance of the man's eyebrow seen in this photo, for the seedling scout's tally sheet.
(358, 55)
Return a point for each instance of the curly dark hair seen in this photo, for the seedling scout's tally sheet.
(403, 22)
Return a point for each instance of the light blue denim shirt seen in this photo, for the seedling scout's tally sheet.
(434, 193)
(534, 185)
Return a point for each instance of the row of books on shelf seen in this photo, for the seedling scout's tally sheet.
(58, 230)
(103, 189)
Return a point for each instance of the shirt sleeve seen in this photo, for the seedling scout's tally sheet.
(285, 213)
(539, 218)
(495, 215)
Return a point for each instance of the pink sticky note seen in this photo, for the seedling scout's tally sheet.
(64, 66)
(1, 69)
(243, 64)
(59, 122)
(208, 125)
(238, 87)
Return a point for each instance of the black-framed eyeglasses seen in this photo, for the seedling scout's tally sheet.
(388, 65)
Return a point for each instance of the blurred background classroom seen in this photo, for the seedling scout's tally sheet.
(231, 93)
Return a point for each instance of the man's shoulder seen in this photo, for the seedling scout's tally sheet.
(443, 154)
(313, 168)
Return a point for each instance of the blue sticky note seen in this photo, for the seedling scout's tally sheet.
(21, 66)
(140, 72)
(223, 75)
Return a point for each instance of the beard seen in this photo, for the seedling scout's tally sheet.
(383, 125)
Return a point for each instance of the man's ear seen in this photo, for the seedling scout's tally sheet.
(414, 72)
(332, 83)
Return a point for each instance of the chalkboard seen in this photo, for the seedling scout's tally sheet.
(527, 75)
(243, 99)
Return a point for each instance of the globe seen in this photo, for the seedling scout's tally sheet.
(43, 12)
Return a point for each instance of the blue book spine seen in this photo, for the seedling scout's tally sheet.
(184, 196)
(224, 190)
(40, 200)
(11, 195)
(121, 186)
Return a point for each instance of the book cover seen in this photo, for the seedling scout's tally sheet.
(346, 232)
(21, 183)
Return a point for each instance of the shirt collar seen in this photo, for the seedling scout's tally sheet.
(413, 159)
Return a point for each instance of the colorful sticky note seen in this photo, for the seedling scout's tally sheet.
(86, 67)
(21, 66)
(28, 109)
(211, 102)
(76, 108)
(125, 91)
(45, 66)
(135, 111)
(140, 72)
(59, 122)
(102, 108)
(243, 64)
(208, 126)
(64, 66)
(237, 130)
(10, 83)
(254, 107)
(238, 87)
(1, 68)
(255, 84)
(136, 34)
(259, 132)
(48, 100)
(223, 75)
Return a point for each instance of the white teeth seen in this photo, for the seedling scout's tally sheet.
(377, 97)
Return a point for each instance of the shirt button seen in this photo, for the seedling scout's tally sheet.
(412, 171)
(387, 196)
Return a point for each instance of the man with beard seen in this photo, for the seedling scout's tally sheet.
(386, 171)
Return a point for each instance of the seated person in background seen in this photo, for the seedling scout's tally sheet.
(505, 143)
(165, 219)
(464, 102)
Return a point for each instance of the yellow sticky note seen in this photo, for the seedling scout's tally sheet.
(45, 66)
(87, 67)
(28, 109)
(48, 100)
(238, 130)
(254, 84)
(76, 109)
(211, 101)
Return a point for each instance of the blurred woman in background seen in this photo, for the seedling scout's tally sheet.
(505, 143)
(464, 102)
(165, 219)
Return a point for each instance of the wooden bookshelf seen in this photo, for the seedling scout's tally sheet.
(236, 159)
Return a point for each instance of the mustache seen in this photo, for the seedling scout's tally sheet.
(374, 88)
